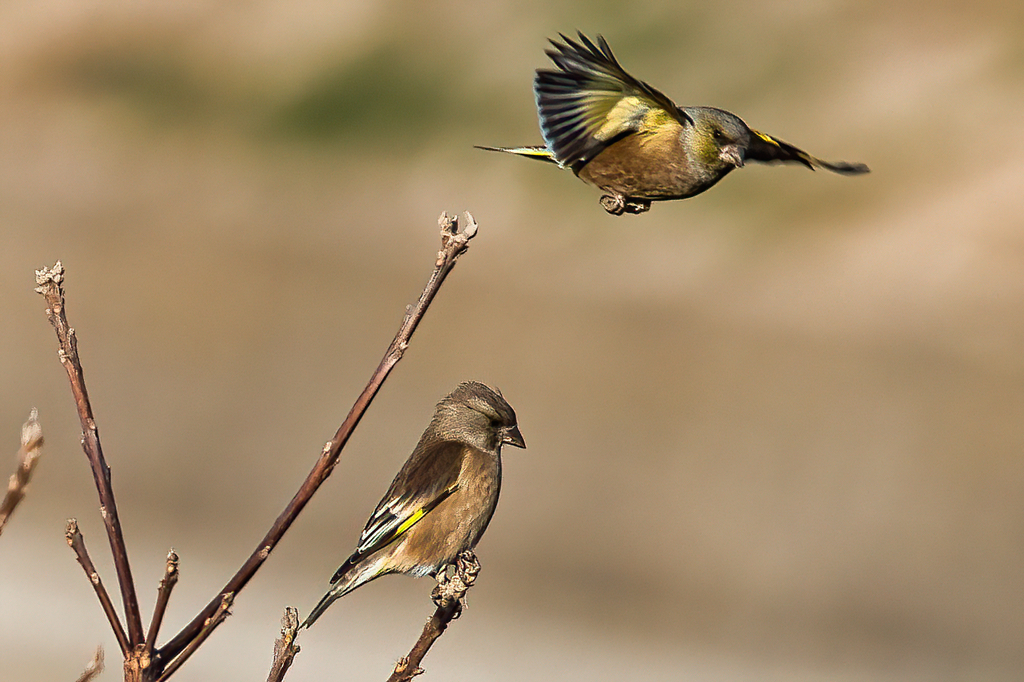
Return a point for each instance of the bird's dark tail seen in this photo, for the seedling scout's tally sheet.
(350, 576)
(319, 609)
(767, 149)
(541, 153)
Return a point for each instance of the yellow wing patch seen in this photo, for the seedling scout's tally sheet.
(631, 114)
(411, 521)
(418, 515)
(621, 117)
(658, 117)
(767, 138)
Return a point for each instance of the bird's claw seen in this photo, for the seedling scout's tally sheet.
(454, 580)
(637, 207)
(616, 204)
(613, 203)
(468, 566)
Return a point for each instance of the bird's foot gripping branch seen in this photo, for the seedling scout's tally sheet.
(449, 595)
(455, 580)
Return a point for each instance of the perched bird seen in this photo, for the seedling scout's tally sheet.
(442, 499)
(632, 142)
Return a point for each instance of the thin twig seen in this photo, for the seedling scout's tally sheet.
(215, 619)
(77, 543)
(409, 667)
(94, 668)
(448, 595)
(285, 647)
(163, 594)
(453, 244)
(50, 285)
(28, 457)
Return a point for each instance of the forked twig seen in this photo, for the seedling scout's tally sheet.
(50, 283)
(216, 618)
(145, 660)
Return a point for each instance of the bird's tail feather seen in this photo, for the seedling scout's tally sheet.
(541, 153)
(319, 609)
(348, 578)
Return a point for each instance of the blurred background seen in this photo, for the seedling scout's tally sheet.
(776, 432)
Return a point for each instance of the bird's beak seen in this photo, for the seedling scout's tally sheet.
(733, 155)
(512, 436)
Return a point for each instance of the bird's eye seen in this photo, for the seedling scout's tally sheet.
(719, 136)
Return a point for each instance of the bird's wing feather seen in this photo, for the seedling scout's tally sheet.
(389, 523)
(766, 148)
(590, 102)
(434, 471)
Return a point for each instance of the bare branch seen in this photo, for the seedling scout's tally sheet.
(409, 666)
(50, 286)
(77, 543)
(448, 595)
(211, 623)
(28, 457)
(163, 595)
(453, 244)
(94, 668)
(285, 647)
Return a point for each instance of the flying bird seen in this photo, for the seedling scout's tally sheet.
(632, 142)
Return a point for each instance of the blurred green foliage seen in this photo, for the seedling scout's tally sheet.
(382, 90)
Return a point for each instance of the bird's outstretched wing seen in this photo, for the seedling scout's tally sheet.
(590, 102)
(429, 477)
(766, 148)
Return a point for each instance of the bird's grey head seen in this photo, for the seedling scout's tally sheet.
(477, 415)
(719, 138)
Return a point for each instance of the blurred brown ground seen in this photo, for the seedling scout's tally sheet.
(776, 432)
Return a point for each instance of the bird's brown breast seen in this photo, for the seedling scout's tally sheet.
(651, 165)
(458, 522)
